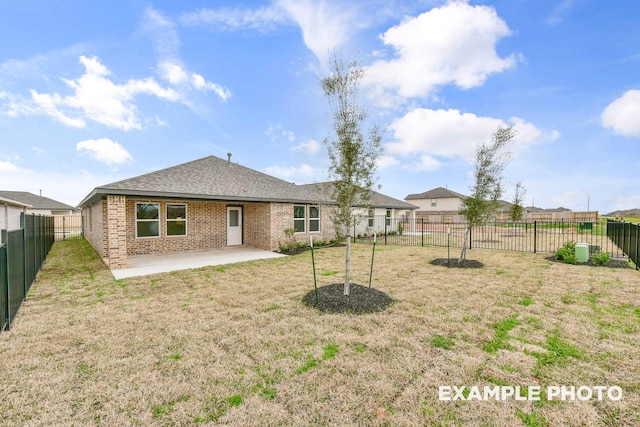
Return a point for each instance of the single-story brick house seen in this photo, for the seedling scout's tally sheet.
(199, 205)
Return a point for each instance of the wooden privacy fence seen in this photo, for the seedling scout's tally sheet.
(22, 253)
(68, 227)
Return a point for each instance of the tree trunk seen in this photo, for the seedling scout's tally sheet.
(463, 253)
(347, 286)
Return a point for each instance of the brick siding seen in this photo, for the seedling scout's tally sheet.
(113, 227)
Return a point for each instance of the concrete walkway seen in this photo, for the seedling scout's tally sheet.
(143, 265)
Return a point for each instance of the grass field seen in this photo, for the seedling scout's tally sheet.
(234, 345)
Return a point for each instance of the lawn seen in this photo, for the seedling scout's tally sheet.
(234, 344)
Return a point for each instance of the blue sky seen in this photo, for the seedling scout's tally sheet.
(95, 92)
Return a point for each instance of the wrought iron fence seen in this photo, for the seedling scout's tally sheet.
(22, 253)
(627, 237)
(536, 236)
(68, 227)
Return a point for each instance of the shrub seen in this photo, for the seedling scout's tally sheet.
(600, 258)
(400, 228)
(567, 253)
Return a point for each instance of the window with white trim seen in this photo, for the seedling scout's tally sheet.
(434, 203)
(314, 218)
(176, 220)
(387, 220)
(299, 218)
(147, 220)
(371, 218)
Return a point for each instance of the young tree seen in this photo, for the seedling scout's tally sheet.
(517, 210)
(483, 203)
(352, 156)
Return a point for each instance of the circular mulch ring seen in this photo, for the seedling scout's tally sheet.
(361, 299)
(612, 263)
(453, 263)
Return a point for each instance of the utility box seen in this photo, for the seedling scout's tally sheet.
(585, 226)
(582, 252)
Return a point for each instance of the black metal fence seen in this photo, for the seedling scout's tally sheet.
(68, 227)
(22, 253)
(536, 236)
(627, 237)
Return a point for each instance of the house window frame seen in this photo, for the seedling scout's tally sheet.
(387, 218)
(314, 219)
(300, 220)
(156, 220)
(434, 203)
(185, 219)
(371, 218)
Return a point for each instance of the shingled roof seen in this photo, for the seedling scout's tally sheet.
(323, 191)
(210, 178)
(34, 201)
(436, 193)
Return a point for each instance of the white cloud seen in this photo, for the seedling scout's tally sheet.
(386, 161)
(325, 25)
(559, 12)
(175, 74)
(311, 147)
(95, 98)
(426, 163)
(9, 167)
(105, 150)
(626, 201)
(170, 66)
(277, 131)
(451, 133)
(289, 172)
(231, 19)
(623, 113)
(455, 43)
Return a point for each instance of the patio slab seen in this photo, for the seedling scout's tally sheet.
(143, 265)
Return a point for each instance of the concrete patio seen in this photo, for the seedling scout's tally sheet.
(143, 265)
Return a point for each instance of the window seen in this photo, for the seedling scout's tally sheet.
(299, 219)
(387, 220)
(147, 220)
(176, 220)
(314, 218)
(371, 218)
(434, 203)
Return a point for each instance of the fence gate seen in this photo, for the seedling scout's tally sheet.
(68, 227)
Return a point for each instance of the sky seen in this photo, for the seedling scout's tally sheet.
(95, 92)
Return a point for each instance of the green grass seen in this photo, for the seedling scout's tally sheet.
(445, 343)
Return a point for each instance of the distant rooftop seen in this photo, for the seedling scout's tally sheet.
(35, 201)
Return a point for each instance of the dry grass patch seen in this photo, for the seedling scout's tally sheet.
(235, 344)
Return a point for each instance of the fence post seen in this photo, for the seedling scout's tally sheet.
(422, 231)
(470, 236)
(535, 236)
(385, 230)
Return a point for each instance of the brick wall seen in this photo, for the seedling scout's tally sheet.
(116, 231)
(282, 219)
(206, 228)
(257, 227)
(94, 221)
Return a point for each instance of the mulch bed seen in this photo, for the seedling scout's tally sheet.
(612, 263)
(453, 263)
(361, 299)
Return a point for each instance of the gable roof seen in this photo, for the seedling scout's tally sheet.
(436, 193)
(323, 191)
(5, 200)
(34, 201)
(209, 178)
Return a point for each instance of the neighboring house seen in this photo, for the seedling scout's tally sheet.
(368, 221)
(39, 205)
(10, 212)
(203, 204)
(438, 201)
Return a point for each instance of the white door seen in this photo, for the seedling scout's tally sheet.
(234, 226)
